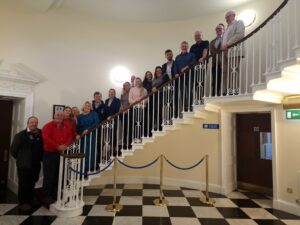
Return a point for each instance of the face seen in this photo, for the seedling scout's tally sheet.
(126, 87)
(87, 108)
(97, 98)
(219, 30)
(67, 112)
(149, 76)
(59, 117)
(138, 82)
(32, 124)
(169, 56)
(198, 36)
(75, 111)
(111, 93)
(158, 72)
(184, 47)
(229, 17)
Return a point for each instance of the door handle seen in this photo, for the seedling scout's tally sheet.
(5, 155)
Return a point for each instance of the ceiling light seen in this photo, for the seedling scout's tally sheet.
(120, 74)
(248, 17)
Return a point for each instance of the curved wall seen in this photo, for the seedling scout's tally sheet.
(76, 52)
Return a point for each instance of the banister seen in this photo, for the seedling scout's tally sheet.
(263, 24)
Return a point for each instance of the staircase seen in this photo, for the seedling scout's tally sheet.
(262, 66)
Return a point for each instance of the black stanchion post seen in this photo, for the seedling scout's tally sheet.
(114, 207)
(161, 201)
(207, 199)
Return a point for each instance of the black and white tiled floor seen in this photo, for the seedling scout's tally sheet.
(237, 208)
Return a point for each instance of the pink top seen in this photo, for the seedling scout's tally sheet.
(136, 94)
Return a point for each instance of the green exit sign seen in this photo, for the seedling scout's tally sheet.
(292, 114)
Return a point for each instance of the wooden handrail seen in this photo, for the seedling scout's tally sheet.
(281, 6)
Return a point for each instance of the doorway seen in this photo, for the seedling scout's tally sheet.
(254, 152)
(6, 113)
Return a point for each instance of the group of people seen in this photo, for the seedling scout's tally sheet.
(32, 146)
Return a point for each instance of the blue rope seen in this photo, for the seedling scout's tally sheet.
(184, 168)
(94, 173)
(138, 167)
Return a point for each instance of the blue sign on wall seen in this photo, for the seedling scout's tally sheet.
(210, 126)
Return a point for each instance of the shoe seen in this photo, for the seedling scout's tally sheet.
(25, 207)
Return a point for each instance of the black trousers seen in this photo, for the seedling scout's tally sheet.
(51, 170)
(216, 80)
(27, 179)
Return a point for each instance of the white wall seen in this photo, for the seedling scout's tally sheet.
(76, 53)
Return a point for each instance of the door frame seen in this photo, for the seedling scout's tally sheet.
(228, 146)
(17, 83)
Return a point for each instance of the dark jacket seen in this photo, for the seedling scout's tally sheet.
(174, 69)
(27, 149)
(100, 110)
(113, 108)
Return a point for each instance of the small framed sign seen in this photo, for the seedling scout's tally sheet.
(58, 108)
(210, 126)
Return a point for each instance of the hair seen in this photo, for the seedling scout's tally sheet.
(97, 93)
(168, 51)
(230, 12)
(184, 42)
(67, 107)
(112, 89)
(86, 103)
(158, 67)
(123, 89)
(32, 117)
(145, 77)
(141, 88)
(222, 24)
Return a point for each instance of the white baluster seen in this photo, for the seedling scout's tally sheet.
(96, 148)
(184, 93)
(253, 62)
(148, 116)
(117, 136)
(222, 74)
(247, 65)
(90, 150)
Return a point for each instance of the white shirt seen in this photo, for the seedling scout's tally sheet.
(227, 31)
(169, 69)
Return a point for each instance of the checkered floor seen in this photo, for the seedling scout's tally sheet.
(237, 208)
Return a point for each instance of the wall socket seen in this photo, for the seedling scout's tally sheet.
(289, 190)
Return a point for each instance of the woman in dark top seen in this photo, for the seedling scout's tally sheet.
(158, 99)
(87, 121)
(147, 82)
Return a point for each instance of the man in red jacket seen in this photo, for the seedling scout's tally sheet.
(56, 136)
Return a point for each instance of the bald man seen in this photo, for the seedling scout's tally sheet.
(27, 149)
(56, 136)
(234, 32)
(200, 48)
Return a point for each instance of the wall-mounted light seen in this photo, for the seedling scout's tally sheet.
(119, 75)
(248, 16)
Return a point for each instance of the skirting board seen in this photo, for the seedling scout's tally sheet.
(155, 180)
(287, 207)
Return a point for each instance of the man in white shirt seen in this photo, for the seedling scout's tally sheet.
(234, 32)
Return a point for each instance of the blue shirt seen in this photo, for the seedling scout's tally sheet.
(185, 59)
(87, 122)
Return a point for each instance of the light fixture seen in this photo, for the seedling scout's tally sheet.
(248, 17)
(119, 75)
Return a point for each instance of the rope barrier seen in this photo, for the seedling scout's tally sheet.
(184, 168)
(138, 167)
(94, 173)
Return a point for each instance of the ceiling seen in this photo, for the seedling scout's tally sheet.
(132, 10)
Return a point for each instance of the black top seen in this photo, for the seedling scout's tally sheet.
(100, 110)
(27, 148)
(159, 81)
(113, 108)
(147, 85)
(174, 69)
(197, 49)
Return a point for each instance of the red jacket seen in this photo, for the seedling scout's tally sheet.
(54, 136)
(71, 123)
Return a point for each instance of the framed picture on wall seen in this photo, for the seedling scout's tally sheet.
(58, 108)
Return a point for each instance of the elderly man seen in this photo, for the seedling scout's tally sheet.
(235, 31)
(200, 48)
(56, 136)
(184, 61)
(215, 47)
(27, 149)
